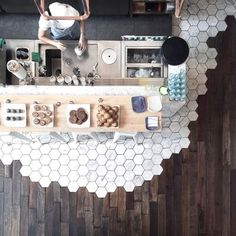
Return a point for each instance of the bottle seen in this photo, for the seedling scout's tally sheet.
(16, 69)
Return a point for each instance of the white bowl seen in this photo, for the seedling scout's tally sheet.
(154, 103)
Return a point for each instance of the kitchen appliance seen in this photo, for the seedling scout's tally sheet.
(142, 59)
(17, 69)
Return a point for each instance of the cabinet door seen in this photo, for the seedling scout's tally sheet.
(16, 6)
(109, 7)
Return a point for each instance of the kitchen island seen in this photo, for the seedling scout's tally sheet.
(130, 73)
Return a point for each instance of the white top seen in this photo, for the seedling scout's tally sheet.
(58, 9)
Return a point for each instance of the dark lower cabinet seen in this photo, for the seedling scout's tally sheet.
(2, 65)
(97, 7)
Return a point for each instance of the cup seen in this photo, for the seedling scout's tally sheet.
(68, 79)
(78, 51)
(60, 79)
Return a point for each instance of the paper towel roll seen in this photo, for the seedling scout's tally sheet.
(17, 69)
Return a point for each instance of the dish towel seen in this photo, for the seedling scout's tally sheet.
(2, 42)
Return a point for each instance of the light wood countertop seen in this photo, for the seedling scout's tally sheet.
(129, 120)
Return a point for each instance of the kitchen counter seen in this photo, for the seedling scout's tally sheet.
(107, 86)
(169, 108)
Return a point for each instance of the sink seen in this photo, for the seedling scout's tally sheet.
(56, 60)
(53, 61)
(106, 53)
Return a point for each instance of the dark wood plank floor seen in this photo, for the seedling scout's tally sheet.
(195, 195)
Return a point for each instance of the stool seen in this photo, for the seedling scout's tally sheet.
(16, 135)
(133, 135)
(90, 134)
(52, 134)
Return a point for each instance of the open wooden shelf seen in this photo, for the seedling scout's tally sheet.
(151, 7)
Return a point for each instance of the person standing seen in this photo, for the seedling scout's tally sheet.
(64, 29)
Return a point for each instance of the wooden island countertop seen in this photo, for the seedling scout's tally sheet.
(130, 121)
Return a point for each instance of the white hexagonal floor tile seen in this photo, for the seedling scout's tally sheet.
(184, 142)
(110, 176)
(129, 186)
(157, 159)
(138, 149)
(101, 192)
(83, 159)
(129, 154)
(73, 175)
(25, 149)
(35, 176)
(166, 153)
(119, 181)
(110, 165)
(35, 154)
(25, 160)
(63, 181)
(73, 165)
(25, 171)
(45, 182)
(54, 164)
(82, 181)
(110, 187)
(157, 169)
(6, 159)
(120, 159)
(92, 154)
(54, 175)
(120, 170)
(120, 149)
(73, 186)
(147, 175)
(45, 159)
(45, 171)
(64, 170)
(92, 165)
(92, 187)
(35, 165)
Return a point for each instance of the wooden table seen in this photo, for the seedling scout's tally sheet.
(129, 120)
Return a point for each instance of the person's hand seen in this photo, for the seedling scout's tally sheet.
(60, 45)
(82, 43)
(85, 16)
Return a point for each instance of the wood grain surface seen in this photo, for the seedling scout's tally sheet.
(129, 120)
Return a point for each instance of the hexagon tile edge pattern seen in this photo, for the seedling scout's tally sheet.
(103, 166)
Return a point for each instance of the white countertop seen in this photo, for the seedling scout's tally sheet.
(79, 90)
